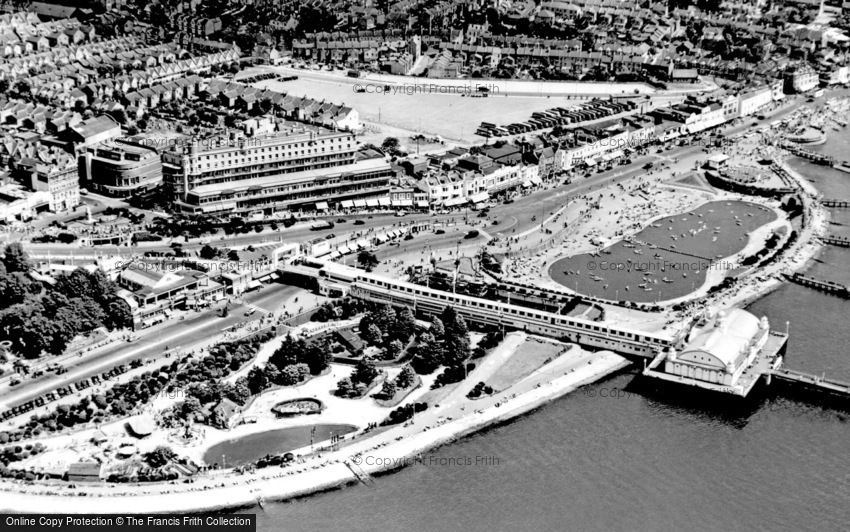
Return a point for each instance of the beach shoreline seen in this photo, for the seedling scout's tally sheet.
(332, 470)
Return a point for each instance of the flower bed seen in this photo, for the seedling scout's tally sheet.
(298, 407)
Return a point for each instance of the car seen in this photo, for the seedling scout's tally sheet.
(401, 213)
(359, 222)
(249, 312)
(472, 234)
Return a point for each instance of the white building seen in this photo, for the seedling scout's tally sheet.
(720, 351)
(753, 100)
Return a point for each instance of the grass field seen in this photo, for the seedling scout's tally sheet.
(530, 356)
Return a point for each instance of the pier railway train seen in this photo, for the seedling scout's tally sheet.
(586, 332)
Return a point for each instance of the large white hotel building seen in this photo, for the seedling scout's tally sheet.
(299, 167)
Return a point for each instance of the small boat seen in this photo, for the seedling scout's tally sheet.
(642, 285)
(638, 252)
(627, 288)
(666, 280)
(648, 289)
(684, 274)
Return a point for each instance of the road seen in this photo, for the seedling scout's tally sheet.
(155, 342)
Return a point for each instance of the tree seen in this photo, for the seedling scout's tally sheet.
(233, 255)
(405, 378)
(394, 349)
(389, 389)
(367, 260)
(344, 387)
(437, 329)
(405, 324)
(428, 354)
(208, 252)
(373, 335)
(15, 258)
(390, 145)
(160, 456)
(293, 374)
(190, 409)
(364, 372)
(239, 392)
(317, 356)
(257, 380)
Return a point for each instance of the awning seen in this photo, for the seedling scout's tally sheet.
(590, 161)
(422, 204)
(526, 184)
(452, 202)
(384, 201)
(322, 205)
(535, 180)
(381, 238)
(253, 283)
(404, 203)
(359, 203)
(347, 204)
(343, 249)
(615, 154)
(363, 243)
(478, 198)
(372, 202)
(334, 254)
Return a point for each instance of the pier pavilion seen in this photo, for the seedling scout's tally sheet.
(726, 353)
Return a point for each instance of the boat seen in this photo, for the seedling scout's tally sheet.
(642, 285)
(684, 274)
(648, 289)
(666, 280)
(638, 252)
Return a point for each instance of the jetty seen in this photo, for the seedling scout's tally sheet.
(812, 382)
(364, 477)
(815, 157)
(835, 203)
(840, 241)
(830, 287)
(843, 166)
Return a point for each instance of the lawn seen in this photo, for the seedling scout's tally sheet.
(530, 356)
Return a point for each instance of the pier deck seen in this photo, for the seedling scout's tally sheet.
(824, 384)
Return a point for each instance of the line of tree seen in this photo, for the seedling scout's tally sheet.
(39, 317)
(445, 343)
(387, 329)
(358, 383)
(121, 399)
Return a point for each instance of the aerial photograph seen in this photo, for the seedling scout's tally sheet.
(424, 265)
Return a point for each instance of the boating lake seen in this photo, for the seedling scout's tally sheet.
(666, 260)
(250, 448)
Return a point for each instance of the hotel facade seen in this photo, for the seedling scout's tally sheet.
(297, 168)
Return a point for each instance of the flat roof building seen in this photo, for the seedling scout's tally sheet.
(120, 169)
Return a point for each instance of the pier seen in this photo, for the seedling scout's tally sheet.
(835, 203)
(817, 158)
(364, 477)
(812, 382)
(840, 241)
(843, 166)
(829, 287)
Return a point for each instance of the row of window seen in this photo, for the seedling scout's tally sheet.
(464, 301)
